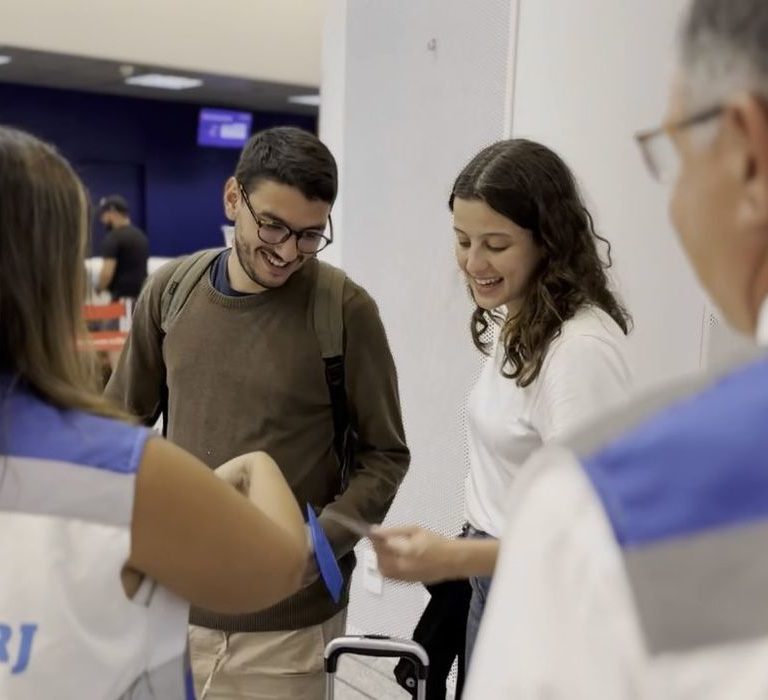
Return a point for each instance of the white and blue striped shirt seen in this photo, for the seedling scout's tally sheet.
(67, 629)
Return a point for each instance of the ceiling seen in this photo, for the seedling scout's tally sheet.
(68, 72)
(276, 41)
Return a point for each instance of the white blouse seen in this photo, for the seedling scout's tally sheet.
(585, 373)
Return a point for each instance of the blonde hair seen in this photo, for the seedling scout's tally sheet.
(43, 234)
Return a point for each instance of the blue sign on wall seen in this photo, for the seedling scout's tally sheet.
(223, 128)
(108, 137)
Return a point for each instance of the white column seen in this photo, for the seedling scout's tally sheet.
(412, 89)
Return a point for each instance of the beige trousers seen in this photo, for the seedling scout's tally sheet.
(262, 665)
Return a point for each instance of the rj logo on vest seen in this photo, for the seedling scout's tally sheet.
(16, 647)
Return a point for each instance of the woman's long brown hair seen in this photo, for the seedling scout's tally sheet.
(43, 234)
(532, 186)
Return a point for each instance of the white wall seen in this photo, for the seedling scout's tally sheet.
(332, 114)
(589, 75)
(422, 86)
(272, 40)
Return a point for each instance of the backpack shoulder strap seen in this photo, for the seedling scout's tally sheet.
(328, 322)
(328, 311)
(186, 275)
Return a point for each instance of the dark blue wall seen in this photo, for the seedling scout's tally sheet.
(148, 143)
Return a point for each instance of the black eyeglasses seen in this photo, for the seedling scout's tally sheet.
(658, 149)
(309, 241)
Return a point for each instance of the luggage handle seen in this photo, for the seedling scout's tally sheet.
(376, 645)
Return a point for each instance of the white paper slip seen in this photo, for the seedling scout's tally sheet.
(359, 527)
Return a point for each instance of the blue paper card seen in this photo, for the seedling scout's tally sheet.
(324, 556)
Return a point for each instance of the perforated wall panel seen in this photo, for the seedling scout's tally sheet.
(425, 89)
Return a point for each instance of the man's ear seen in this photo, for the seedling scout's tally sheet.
(231, 198)
(748, 122)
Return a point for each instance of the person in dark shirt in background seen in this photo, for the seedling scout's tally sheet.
(125, 250)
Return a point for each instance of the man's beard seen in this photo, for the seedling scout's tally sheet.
(247, 262)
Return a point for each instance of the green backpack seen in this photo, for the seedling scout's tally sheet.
(327, 318)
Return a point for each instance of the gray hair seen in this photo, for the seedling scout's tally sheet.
(724, 49)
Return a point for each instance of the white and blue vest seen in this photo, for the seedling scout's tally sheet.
(686, 494)
(67, 629)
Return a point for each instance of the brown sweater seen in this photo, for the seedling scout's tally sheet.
(245, 374)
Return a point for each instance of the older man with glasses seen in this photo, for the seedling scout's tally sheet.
(633, 564)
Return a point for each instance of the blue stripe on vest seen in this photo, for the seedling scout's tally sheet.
(698, 465)
(32, 428)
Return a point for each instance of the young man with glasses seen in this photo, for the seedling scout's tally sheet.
(240, 369)
(633, 563)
